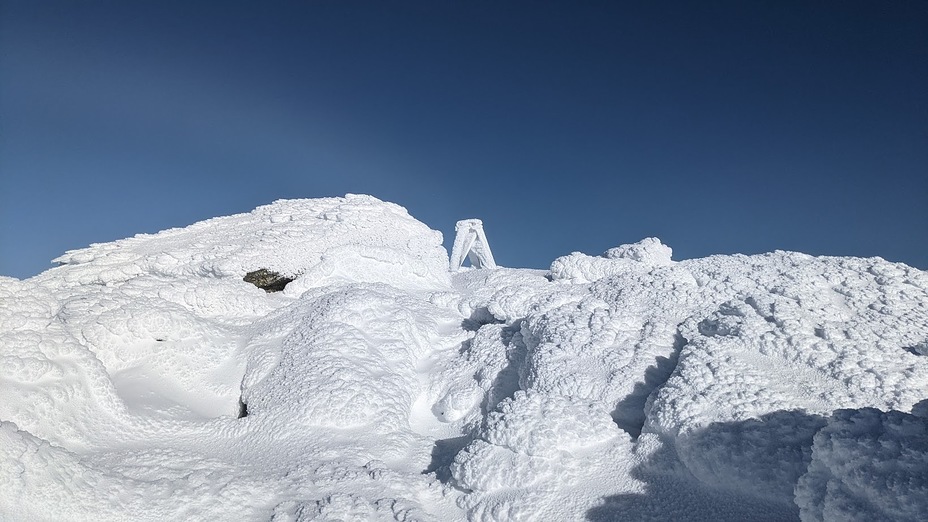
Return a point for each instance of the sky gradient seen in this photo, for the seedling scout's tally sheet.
(716, 126)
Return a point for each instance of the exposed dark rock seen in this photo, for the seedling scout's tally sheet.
(267, 280)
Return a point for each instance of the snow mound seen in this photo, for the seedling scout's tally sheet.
(356, 239)
(641, 256)
(649, 250)
(801, 338)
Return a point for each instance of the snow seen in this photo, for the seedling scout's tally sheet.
(867, 465)
(144, 379)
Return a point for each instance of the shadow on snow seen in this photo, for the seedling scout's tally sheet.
(726, 471)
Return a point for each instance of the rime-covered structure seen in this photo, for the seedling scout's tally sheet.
(471, 243)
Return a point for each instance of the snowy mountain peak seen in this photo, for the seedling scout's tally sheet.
(317, 241)
(156, 377)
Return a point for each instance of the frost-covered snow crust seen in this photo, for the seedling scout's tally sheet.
(145, 380)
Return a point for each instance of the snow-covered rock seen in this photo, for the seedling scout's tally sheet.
(642, 256)
(145, 379)
(355, 239)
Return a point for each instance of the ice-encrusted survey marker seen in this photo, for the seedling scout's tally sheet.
(145, 379)
(470, 244)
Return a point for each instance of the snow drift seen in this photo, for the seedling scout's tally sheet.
(145, 379)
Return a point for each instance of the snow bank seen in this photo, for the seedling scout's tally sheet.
(793, 339)
(145, 379)
(127, 368)
(726, 367)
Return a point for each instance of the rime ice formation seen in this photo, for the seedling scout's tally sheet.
(145, 379)
(867, 465)
(470, 243)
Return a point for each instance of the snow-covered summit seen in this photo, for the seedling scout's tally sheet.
(357, 239)
(145, 379)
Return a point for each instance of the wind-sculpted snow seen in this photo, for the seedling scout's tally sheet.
(867, 465)
(731, 364)
(807, 339)
(125, 370)
(145, 379)
(637, 257)
(356, 239)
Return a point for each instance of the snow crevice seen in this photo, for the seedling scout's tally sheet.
(630, 414)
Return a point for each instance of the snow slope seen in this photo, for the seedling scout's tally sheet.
(144, 379)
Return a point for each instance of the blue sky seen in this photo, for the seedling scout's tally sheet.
(717, 126)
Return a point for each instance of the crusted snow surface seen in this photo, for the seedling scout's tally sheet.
(144, 379)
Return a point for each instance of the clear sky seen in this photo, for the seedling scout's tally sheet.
(718, 126)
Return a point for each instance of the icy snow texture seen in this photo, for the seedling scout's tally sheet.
(867, 465)
(380, 386)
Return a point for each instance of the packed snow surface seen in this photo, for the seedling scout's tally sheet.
(144, 379)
